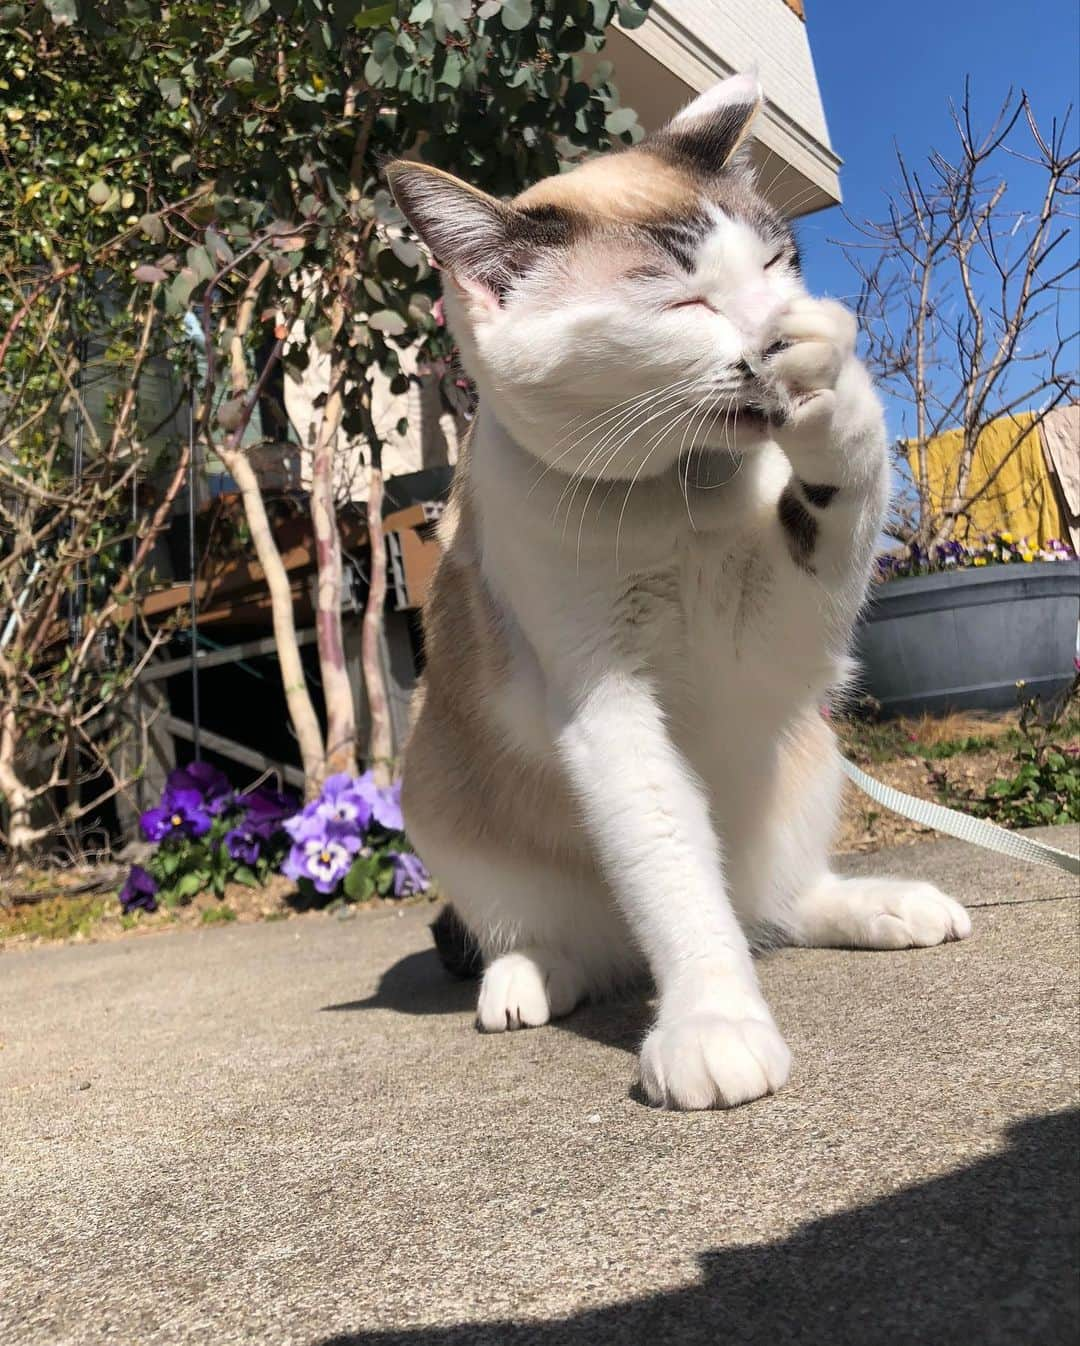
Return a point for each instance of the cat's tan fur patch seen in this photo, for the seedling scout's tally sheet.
(461, 777)
(633, 187)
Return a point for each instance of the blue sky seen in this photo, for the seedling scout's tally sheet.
(887, 73)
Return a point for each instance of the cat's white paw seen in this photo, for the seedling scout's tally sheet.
(882, 914)
(525, 989)
(813, 337)
(898, 914)
(706, 1060)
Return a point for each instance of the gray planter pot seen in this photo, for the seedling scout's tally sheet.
(962, 641)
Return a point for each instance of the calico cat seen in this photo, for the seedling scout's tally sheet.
(660, 534)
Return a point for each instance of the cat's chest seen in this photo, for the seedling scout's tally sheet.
(711, 594)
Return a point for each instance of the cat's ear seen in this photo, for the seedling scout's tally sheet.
(710, 134)
(466, 230)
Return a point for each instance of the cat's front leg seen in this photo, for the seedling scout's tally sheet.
(830, 424)
(714, 1043)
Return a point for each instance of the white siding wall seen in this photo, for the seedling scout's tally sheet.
(701, 41)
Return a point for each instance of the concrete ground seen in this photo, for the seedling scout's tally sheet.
(290, 1133)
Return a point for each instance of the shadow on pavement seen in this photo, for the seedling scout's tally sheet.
(419, 984)
(985, 1255)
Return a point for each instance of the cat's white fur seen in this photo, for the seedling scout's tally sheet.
(662, 651)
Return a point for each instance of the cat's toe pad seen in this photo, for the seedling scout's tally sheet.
(708, 1061)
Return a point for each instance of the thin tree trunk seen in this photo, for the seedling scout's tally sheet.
(337, 691)
(305, 722)
(301, 711)
(20, 835)
(381, 742)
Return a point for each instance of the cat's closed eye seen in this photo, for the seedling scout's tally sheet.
(779, 257)
(690, 303)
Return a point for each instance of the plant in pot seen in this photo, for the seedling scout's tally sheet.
(961, 290)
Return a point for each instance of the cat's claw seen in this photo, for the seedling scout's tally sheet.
(708, 1061)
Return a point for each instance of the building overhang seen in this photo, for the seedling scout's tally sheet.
(686, 46)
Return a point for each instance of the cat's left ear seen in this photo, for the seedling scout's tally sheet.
(710, 134)
(470, 234)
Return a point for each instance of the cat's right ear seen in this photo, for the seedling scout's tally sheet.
(466, 230)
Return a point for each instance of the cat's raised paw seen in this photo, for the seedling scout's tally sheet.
(813, 338)
(525, 989)
(708, 1061)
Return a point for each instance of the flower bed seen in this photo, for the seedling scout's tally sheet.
(997, 549)
(347, 843)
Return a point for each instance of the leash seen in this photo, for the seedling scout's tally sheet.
(977, 831)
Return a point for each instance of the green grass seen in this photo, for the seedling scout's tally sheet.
(929, 739)
(215, 915)
(55, 917)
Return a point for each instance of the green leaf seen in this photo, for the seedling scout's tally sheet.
(387, 322)
(631, 15)
(359, 882)
(189, 884)
(152, 227)
(241, 69)
(62, 12)
(406, 251)
(231, 413)
(622, 119)
(515, 14)
(375, 17)
(242, 874)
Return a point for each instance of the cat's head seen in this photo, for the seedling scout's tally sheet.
(616, 314)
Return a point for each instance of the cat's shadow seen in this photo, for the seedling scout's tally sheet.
(419, 984)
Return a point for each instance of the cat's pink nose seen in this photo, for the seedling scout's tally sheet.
(753, 310)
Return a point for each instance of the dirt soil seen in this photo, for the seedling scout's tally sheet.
(866, 826)
(78, 905)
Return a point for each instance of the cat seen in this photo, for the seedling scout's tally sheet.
(658, 540)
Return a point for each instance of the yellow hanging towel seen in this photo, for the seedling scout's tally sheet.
(1019, 500)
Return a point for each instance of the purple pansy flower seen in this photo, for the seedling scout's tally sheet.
(181, 812)
(383, 801)
(324, 860)
(410, 874)
(210, 783)
(340, 812)
(344, 803)
(306, 824)
(265, 807)
(139, 892)
(242, 843)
